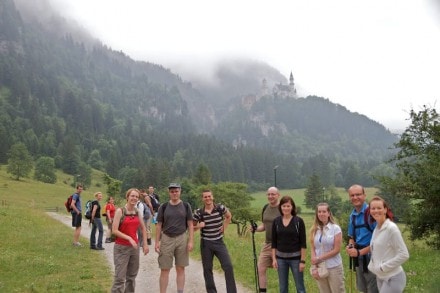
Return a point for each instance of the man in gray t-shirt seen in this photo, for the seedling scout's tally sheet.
(174, 219)
(270, 212)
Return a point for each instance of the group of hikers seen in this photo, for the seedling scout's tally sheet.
(376, 248)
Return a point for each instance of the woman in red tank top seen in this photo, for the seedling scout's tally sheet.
(126, 249)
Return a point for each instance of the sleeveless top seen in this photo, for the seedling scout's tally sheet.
(129, 227)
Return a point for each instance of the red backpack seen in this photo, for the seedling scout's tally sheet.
(68, 204)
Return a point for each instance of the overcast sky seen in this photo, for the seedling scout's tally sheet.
(379, 58)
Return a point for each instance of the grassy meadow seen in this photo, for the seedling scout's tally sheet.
(37, 256)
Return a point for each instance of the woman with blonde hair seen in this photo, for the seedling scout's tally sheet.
(326, 241)
(126, 248)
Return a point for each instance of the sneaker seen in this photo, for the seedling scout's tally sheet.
(99, 248)
(76, 244)
(108, 240)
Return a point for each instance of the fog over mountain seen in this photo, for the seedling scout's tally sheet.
(74, 99)
(377, 59)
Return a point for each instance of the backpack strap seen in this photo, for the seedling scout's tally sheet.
(278, 221)
(164, 206)
(124, 213)
(296, 224)
(366, 223)
(262, 212)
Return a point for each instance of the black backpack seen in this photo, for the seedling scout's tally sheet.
(367, 222)
(165, 204)
(154, 202)
(217, 208)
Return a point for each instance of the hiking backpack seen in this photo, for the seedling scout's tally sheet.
(124, 213)
(147, 213)
(154, 202)
(68, 204)
(217, 208)
(262, 212)
(89, 208)
(104, 211)
(165, 204)
(367, 222)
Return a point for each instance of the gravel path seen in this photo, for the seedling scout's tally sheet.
(148, 276)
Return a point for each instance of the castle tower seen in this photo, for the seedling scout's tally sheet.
(264, 88)
(292, 85)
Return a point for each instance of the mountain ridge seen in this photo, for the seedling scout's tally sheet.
(57, 90)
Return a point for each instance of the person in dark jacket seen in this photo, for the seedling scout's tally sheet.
(289, 246)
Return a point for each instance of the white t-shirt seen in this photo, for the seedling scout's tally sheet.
(140, 208)
(325, 242)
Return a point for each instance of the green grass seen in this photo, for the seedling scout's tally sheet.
(37, 256)
(36, 250)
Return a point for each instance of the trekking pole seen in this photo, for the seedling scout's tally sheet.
(257, 280)
(351, 268)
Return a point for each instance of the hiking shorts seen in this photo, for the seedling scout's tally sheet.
(265, 258)
(173, 248)
(76, 220)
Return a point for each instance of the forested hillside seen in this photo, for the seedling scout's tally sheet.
(77, 101)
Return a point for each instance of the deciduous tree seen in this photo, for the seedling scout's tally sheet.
(20, 162)
(417, 177)
(45, 170)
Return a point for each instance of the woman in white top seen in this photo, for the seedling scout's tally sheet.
(388, 250)
(326, 241)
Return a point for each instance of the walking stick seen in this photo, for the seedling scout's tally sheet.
(351, 268)
(351, 274)
(257, 280)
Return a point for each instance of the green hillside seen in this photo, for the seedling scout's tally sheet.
(36, 249)
(34, 257)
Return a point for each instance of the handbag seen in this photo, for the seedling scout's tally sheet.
(321, 267)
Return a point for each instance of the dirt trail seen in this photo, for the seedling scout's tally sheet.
(148, 277)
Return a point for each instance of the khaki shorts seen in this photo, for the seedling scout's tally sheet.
(265, 258)
(173, 247)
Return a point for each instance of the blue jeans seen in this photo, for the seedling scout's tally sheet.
(283, 275)
(97, 225)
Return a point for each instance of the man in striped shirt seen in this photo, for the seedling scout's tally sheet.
(212, 220)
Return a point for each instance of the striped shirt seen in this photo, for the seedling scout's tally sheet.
(213, 222)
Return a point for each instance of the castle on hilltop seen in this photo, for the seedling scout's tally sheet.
(279, 90)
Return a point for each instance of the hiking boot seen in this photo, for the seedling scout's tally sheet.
(149, 241)
(77, 244)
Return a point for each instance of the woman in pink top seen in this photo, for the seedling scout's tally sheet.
(126, 249)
